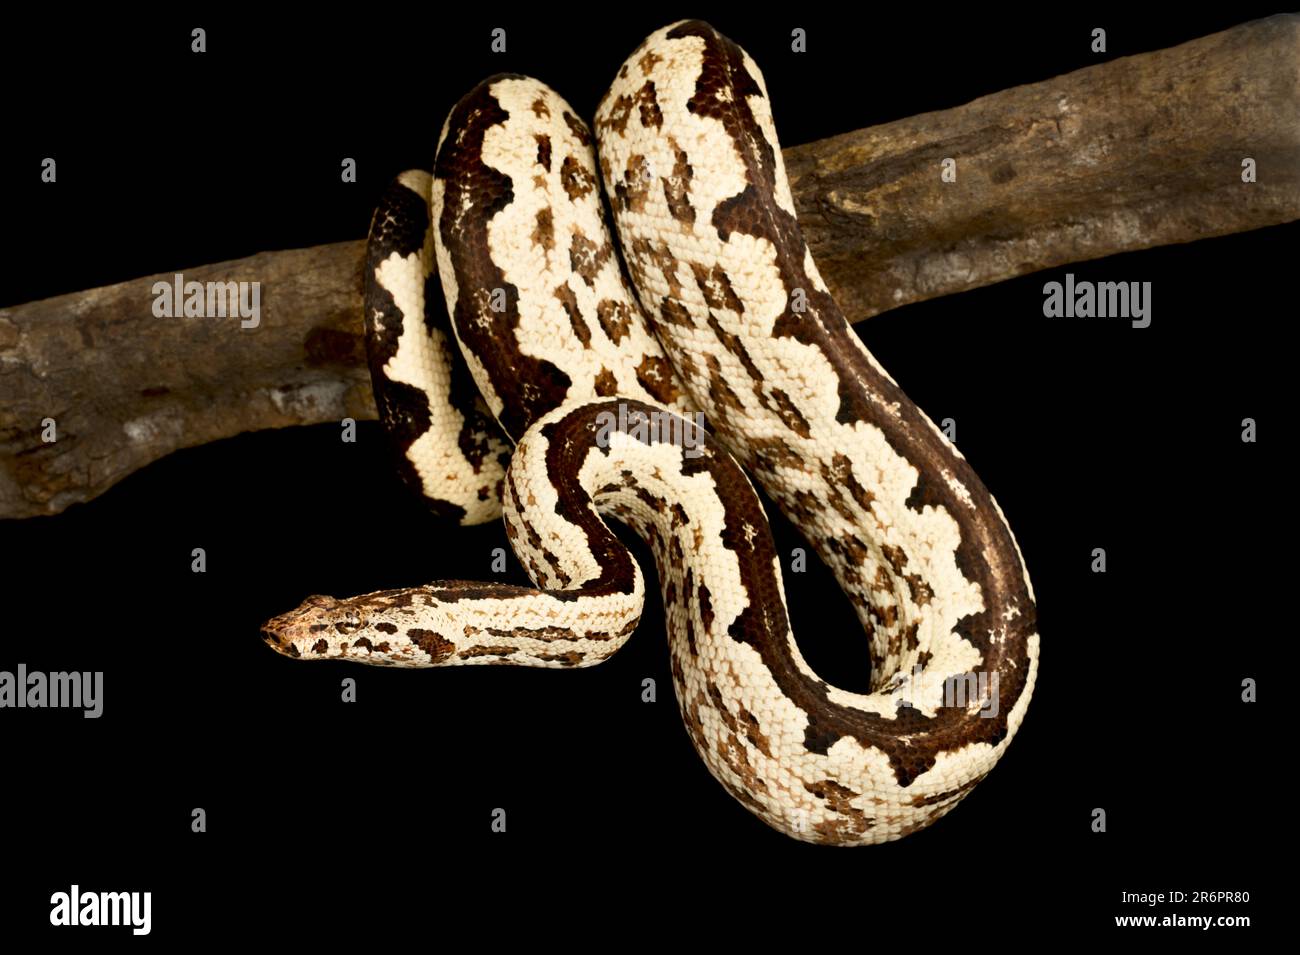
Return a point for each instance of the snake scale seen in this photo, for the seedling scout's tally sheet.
(578, 397)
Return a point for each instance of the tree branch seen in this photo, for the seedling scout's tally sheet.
(1133, 153)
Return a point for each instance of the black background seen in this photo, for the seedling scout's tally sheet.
(325, 817)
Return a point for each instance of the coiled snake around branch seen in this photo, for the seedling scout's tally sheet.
(729, 318)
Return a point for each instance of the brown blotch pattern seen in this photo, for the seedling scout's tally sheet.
(716, 288)
(648, 103)
(674, 312)
(571, 658)
(677, 189)
(706, 607)
(633, 190)
(586, 257)
(431, 643)
(792, 417)
(615, 318)
(849, 822)
(578, 128)
(544, 232)
(576, 178)
(483, 650)
(581, 330)
(605, 385)
(655, 375)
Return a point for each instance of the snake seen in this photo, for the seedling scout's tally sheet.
(532, 364)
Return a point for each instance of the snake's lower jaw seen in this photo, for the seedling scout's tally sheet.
(275, 633)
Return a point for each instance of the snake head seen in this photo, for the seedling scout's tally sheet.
(318, 628)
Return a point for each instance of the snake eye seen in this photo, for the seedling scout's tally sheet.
(351, 620)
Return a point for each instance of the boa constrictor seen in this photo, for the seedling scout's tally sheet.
(597, 387)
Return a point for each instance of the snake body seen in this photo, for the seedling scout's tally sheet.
(597, 384)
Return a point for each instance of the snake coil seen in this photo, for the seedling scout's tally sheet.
(596, 384)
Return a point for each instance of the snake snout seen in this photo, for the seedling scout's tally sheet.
(278, 634)
(286, 633)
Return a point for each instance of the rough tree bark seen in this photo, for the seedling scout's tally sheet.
(1133, 153)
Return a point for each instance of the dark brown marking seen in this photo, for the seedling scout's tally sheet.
(706, 607)
(645, 256)
(648, 103)
(849, 548)
(544, 232)
(753, 732)
(677, 190)
(850, 821)
(576, 179)
(453, 591)
(581, 330)
(716, 288)
(674, 312)
(947, 795)
(618, 115)
(571, 658)
(719, 704)
(578, 128)
(655, 375)
(656, 504)
(842, 469)
(734, 345)
(769, 454)
(732, 752)
(615, 318)
(724, 399)
(547, 634)
(586, 258)
(605, 385)
(431, 643)
(791, 415)
(482, 650)
(633, 190)
(535, 542)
